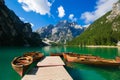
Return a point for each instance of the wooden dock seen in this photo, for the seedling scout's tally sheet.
(51, 61)
(50, 68)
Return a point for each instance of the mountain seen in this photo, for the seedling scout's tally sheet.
(14, 32)
(62, 32)
(104, 31)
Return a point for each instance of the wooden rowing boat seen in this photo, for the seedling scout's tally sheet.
(35, 55)
(91, 60)
(70, 57)
(56, 54)
(21, 64)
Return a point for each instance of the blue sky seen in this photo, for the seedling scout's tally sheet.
(43, 12)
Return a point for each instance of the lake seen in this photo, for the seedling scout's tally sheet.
(77, 71)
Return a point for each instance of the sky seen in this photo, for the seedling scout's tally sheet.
(41, 13)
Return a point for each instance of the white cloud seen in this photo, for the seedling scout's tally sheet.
(72, 18)
(102, 6)
(25, 21)
(32, 25)
(61, 12)
(22, 19)
(39, 6)
(87, 25)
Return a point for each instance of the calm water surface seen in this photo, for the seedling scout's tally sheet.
(77, 71)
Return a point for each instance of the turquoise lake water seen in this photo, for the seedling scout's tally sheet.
(77, 71)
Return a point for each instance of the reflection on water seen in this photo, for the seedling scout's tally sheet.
(103, 52)
(77, 71)
(94, 73)
(118, 51)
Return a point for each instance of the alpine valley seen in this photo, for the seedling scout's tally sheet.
(62, 32)
(103, 31)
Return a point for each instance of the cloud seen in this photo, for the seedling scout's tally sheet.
(61, 12)
(23, 19)
(39, 6)
(32, 25)
(72, 18)
(87, 25)
(102, 6)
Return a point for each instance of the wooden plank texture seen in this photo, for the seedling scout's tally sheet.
(48, 73)
(51, 61)
(50, 68)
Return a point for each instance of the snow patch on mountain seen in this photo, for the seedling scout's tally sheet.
(62, 32)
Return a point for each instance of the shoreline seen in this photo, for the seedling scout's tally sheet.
(97, 46)
(102, 46)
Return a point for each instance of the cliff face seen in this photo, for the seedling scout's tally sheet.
(14, 32)
(2, 2)
(62, 32)
(115, 12)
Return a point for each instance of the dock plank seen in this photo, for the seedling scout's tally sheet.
(48, 73)
(51, 61)
(50, 68)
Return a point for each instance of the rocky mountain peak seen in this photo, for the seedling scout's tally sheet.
(61, 32)
(63, 21)
(115, 11)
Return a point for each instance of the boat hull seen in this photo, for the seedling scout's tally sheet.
(91, 60)
(35, 55)
(56, 54)
(21, 67)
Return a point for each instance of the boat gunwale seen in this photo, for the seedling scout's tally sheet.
(22, 65)
(98, 61)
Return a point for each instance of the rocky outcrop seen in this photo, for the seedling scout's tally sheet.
(62, 32)
(114, 14)
(14, 32)
(2, 2)
(115, 11)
